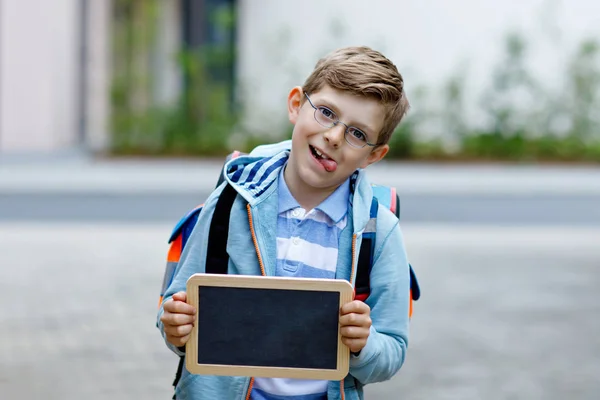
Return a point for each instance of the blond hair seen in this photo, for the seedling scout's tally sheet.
(365, 72)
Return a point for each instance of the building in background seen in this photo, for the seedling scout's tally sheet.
(38, 67)
(57, 56)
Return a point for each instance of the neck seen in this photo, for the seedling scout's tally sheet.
(308, 197)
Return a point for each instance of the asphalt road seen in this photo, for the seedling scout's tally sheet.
(507, 313)
(459, 208)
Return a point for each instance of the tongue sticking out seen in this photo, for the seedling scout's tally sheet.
(329, 164)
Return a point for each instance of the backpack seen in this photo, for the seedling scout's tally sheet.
(217, 258)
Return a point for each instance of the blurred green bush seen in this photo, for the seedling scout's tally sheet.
(200, 120)
(524, 120)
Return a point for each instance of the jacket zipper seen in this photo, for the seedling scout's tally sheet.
(260, 260)
(250, 388)
(353, 257)
(262, 271)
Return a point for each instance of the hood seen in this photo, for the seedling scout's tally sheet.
(253, 177)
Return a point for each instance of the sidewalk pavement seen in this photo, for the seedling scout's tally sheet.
(506, 313)
(87, 175)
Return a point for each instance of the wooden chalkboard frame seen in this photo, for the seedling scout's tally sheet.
(343, 287)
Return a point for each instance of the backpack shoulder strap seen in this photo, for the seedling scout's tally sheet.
(216, 255)
(365, 255)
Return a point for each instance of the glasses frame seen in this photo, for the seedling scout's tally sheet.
(336, 123)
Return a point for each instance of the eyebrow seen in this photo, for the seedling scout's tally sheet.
(364, 128)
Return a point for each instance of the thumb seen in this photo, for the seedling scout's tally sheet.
(180, 296)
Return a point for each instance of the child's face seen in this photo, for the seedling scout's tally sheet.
(309, 169)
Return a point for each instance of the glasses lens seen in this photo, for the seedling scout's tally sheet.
(325, 117)
(355, 138)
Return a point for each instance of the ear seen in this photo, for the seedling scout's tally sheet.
(376, 155)
(294, 103)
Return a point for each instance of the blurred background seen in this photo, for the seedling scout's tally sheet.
(115, 116)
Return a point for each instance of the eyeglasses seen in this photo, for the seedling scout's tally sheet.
(328, 119)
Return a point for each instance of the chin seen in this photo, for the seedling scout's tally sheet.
(318, 181)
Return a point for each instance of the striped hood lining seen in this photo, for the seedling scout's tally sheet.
(253, 176)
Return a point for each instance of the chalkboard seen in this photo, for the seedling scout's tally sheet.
(267, 327)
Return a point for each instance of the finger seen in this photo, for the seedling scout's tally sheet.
(180, 296)
(179, 307)
(353, 319)
(177, 319)
(353, 332)
(355, 306)
(178, 341)
(179, 330)
(355, 345)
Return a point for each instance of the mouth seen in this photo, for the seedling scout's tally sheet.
(319, 154)
(327, 162)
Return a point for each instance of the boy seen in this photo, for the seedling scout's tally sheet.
(300, 212)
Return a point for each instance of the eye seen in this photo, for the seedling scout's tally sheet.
(327, 113)
(357, 133)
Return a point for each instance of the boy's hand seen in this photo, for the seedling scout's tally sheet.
(178, 319)
(355, 321)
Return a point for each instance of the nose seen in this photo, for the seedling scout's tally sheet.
(335, 135)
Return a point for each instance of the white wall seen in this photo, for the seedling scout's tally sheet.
(428, 40)
(97, 53)
(38, 75)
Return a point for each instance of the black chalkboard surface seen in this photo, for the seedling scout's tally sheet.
(267, 327)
